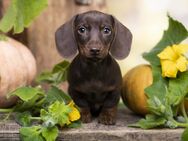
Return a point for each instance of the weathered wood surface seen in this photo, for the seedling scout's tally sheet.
(97, 132)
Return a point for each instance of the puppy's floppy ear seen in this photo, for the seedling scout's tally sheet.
(121, 44)
(65, 40)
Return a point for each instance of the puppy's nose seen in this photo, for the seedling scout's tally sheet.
(94, 51)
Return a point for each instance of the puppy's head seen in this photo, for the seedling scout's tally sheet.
(94, 35)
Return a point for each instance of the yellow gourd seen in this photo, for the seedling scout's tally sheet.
(134, 83)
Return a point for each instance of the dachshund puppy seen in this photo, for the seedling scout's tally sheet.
(94, 76)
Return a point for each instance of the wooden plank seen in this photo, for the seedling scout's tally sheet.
(98, 132)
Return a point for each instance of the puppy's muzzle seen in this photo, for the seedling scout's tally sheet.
(94, 51)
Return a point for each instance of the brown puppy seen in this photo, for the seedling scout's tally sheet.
(94, 76)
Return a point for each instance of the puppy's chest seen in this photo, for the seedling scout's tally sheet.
(97, 80)
(94, 86)
(102, 78)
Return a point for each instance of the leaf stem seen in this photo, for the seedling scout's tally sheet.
(35, 118)
(179, 124)
(40, 102)
(183, 111)
(6, 110)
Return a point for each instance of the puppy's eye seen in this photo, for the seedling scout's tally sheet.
(82, 29)
(106, 30)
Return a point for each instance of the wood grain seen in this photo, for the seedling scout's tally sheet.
(93, 131)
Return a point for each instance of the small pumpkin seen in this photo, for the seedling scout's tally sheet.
(17, 68)
(134, 83)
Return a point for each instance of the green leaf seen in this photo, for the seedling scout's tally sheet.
(151, 121)
(158, 103)
(75, 124)
(57, 114)
(184, 136)
(156, 93)
(157, 89)
(175, 33)
(178, 88)
(56, 94)
(31, 133)
(57, 75)
(23, 118)
(45, 77)
(31, 9)
(159, 83)
(60, 115)
(25, 93)
(19, 22)
(50, 134)
(171, 124)
(49, 121)
(156, 107)
(30, 105)
(20, 14)
(34, 103)
(9, 18)
(64, 65)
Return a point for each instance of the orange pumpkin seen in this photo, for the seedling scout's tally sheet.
(17, 68)
(134, 83)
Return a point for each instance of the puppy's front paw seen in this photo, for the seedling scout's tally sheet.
(108, 116)
(86, 116)
(106, 119)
